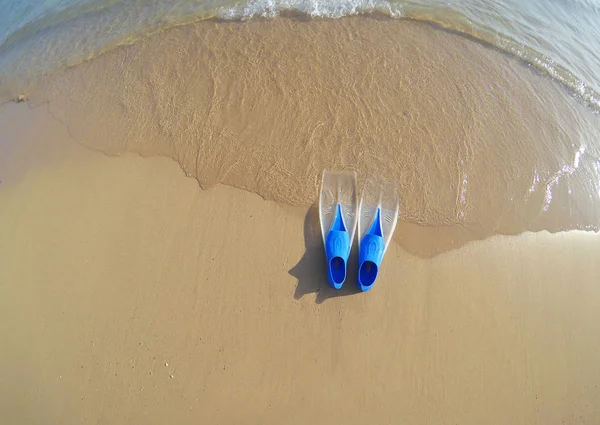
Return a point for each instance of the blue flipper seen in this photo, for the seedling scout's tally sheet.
(338, 207)
(337, 250)
(372, 248)
(378, 214)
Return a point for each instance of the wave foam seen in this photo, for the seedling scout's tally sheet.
(312, 8)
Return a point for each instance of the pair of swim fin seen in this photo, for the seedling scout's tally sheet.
(341, 213)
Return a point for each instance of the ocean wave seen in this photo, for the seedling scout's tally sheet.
(440, 16)
(82, 31)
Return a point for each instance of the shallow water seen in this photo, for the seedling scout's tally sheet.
(475, 138)
(559, 38)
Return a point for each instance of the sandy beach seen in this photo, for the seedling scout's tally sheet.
(128, 294)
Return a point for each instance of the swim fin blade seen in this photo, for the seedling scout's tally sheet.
(378, 214)
(338, 204)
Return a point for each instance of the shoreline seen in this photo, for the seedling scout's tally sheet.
(422, 240)
(31, 124)
(449, 21)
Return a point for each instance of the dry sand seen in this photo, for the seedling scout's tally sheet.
(130, 295)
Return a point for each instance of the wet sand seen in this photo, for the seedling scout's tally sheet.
(128, 294)
(476, 139)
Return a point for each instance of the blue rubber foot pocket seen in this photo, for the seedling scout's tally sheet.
(370, 254)
(367, 274)
(337, 249)
(337, 271)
